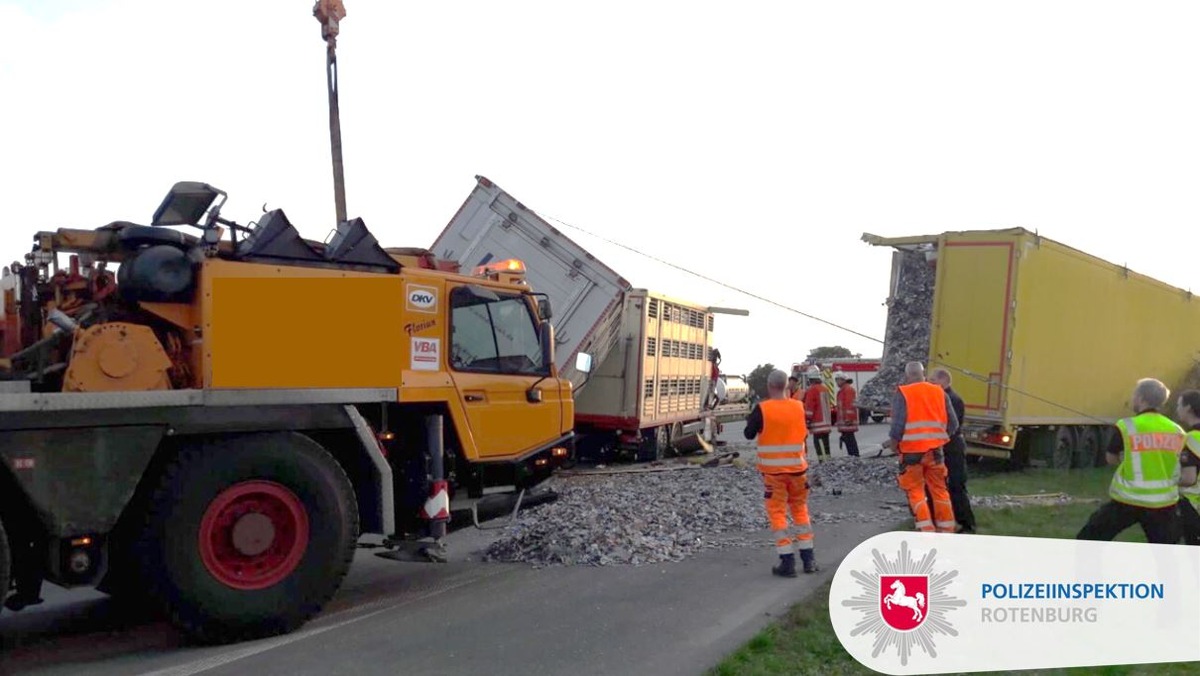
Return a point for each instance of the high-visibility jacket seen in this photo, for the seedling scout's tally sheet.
(1148, 475)
(1192, 445)
(847, 412)
(780, 446)
(816, 402)
(797, 394)
(926, 418)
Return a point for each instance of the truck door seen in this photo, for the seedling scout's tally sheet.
(494, 359)
(971, 319)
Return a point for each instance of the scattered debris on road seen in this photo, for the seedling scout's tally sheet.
(614, 517)
(1041, 499)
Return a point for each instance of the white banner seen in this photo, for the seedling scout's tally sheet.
(928, 603)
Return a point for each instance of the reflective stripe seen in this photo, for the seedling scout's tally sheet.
(926, 435)
(925, 423)
(925, 524)
(945, 524)
(803, 530)
(784, 549)
(804, 544)
(781, 462)
(1146, 485)
(782, 448)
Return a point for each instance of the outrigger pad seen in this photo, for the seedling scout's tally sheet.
(276, 237)
(354, 244)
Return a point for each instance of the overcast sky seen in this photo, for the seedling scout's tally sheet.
(740, 139)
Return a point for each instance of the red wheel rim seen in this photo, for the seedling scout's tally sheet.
(253, 534)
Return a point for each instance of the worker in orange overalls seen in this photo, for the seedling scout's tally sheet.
(778, 422)
(923, 421)
(816, 403)
(847, 414)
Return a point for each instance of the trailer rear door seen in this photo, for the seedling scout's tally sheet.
(972, 319)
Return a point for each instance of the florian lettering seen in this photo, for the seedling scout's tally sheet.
(416, 327)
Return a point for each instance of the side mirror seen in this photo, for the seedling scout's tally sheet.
(544, 310)
(583, 362)
(546, 338)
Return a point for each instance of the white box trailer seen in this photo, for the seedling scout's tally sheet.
(585, 294)
(651, 385)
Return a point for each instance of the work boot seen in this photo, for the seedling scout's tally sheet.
(786, 567)
(810, 561)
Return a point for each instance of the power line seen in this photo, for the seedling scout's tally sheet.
(714, 281)
(966, 372)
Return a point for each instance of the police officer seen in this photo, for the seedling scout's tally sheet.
(1145, 488)
(1188, 410)
(923, 421)
(778, 422)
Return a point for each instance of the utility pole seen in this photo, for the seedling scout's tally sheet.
(330, 13)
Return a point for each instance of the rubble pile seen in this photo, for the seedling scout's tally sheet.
(652, 517)
(848, 476)
(910, 311)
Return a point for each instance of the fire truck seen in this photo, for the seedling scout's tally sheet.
(860, 371)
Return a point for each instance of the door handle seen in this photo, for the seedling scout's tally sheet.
(473, 397)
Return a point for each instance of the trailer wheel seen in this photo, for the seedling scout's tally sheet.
(1105, 434)
(249, 536)
(1087, 448)
(655, 443)
(1063, 452)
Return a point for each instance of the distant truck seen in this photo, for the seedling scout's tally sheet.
(1044, 342)
(653, 380)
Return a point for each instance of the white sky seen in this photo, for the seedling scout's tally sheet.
(738, 140)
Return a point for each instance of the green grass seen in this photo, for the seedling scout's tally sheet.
(803, 641)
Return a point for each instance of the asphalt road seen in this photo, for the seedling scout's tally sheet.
(462, 617)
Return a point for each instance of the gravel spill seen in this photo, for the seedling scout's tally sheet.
(655, 517)
(910, 311)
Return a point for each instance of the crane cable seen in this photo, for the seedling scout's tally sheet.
(966, 372)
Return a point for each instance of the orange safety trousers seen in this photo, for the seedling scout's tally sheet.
(788, 493)
(929, 471)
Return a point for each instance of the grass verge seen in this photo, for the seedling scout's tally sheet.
(803, 641)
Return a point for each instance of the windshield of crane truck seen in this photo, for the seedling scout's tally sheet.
(496, 335)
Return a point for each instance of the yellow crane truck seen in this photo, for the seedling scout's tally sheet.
(213, 425)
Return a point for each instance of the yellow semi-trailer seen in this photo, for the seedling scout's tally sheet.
(1045, 342)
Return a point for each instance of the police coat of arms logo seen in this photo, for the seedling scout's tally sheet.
(904, 602)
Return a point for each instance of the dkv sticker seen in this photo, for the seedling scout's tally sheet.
(425, 354)
(420, 298)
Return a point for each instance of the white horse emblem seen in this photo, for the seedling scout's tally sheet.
(899, 598)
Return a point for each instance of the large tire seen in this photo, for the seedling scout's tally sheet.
(248, 536)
